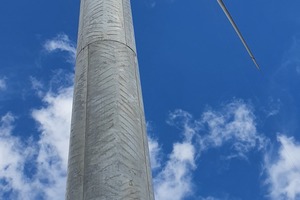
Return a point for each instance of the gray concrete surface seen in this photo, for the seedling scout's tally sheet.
(109, 156)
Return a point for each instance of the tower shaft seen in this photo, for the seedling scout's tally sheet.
(108, 156)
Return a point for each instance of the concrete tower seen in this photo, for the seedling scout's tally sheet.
(109, 156)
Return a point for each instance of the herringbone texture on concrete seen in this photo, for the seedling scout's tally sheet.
(109, 156)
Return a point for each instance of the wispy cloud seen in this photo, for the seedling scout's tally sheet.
(234, 124)
(155, 153)
(150, 3)
(291, 60)
(37, 86)
(61, 43)
(210, 198)
(298, 69)
(2, 84)
(274, 107)
(286, 77)
(284, 171)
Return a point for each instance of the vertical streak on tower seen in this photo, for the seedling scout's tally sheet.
(109, 156)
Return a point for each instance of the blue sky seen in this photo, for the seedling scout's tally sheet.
(218, 128)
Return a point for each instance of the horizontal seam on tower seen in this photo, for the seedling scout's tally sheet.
(106, 41)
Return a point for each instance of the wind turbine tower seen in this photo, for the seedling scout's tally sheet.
(108, 156)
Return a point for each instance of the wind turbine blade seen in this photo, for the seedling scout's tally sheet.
(238, 32)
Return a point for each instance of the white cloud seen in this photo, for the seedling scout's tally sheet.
(13, 156)
(284, 171)
(54, 124)
(184, 120)
(176, 177)
(49, 153)
(37, 86)
(2, 84)
(61, 43)
(210, 198)
(155, 151)
(55, 120)
(235, 125)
